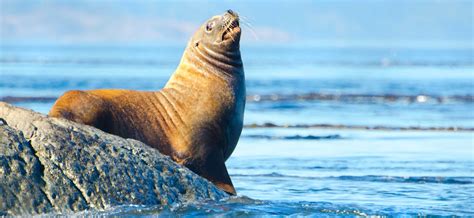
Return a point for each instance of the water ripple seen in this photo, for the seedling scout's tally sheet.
(376, 178)
(293, 137)
(244, 206)
(410, 179)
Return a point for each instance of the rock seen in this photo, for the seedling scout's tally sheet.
(51, 165)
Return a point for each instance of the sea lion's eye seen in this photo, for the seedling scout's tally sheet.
(209, 26)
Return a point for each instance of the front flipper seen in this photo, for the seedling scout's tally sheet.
(212, 167)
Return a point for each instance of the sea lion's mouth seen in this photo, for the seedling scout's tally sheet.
(231, 30)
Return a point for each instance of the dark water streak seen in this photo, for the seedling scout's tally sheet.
(361, 127)
(16, 99)
(375, 178)
(294, 137)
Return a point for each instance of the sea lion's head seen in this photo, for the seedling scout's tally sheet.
(221, 32)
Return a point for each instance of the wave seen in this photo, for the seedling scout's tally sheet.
(236, 206)
(248, 207)
(361, 98)
(375, 178)
(245, 206)
(293, 137)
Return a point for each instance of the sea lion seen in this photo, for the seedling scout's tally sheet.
(196, 119)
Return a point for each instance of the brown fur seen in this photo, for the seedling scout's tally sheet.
(196, 118)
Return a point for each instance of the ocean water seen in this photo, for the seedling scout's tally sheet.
(329, 130)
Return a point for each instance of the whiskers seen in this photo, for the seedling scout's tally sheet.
(231, 26)
(246, 21)
(228, 25)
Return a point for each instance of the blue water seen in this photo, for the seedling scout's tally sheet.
(303, 171)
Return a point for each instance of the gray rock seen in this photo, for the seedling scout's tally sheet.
(50, 165)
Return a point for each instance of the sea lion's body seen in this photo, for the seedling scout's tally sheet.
(196, 118)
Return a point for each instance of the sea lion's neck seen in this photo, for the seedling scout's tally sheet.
(223, 67)
(227, 62)
(220, 61)
(215, 84)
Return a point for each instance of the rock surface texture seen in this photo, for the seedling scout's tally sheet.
(50, 165)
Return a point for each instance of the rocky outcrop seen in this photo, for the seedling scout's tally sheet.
(50, 165)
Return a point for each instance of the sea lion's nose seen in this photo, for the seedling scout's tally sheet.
(230, 12)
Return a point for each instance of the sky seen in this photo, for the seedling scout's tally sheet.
(272, 22)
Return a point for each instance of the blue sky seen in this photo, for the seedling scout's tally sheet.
(292, 22)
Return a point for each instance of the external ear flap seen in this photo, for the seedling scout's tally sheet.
(213, 168)
(196, 43)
